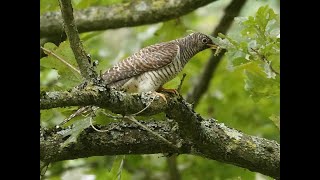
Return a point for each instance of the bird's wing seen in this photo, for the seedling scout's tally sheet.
(147, 59)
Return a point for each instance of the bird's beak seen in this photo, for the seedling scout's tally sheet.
(212, 46)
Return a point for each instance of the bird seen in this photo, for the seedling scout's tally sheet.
(153, 66)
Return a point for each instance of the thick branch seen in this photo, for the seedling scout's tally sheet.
(72, 33)
(218, 142)
(129, 14)
(232, 11)
(116, 101)
(209, 139)
(123, 138)
(225, 145)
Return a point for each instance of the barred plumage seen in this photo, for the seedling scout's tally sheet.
(153, 66)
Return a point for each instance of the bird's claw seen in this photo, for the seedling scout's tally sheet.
(172, 91)
(163, 97)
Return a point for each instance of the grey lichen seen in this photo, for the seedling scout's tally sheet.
(141, 6)
(53, 95)
(233, 134)
(125, 14)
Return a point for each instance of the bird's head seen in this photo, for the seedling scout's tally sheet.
(200, 41)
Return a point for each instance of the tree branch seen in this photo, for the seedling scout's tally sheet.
(216, 141)
(208, 138)
(173, 168)
(203, 83)
(72, 33)
(232, 11)
(128, 14)
(225, 145)
(116, 101)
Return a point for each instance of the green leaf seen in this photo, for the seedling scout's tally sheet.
(100, 166)
(173, 84)
(275, 62)
(48, 5)
(67, 76)
(77, 128)
(223, 43)
(262, 17)
(237, 58)
(259, 86)
(101, 118)
(276, 120)
(52, 117)
(117, 167)
(48, 78)
(273, 28)
(239, 61)
(268, 70)
(109, 161)
(256, 50)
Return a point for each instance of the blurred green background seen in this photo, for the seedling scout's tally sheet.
(226, 99)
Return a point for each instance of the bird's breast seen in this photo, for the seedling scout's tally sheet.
(152, 80)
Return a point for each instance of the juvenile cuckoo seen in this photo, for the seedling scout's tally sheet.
(153, 66)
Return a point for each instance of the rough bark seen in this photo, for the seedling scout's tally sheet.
(116, 101)
(128, 14)
(84, 61)
(195, 135)
(220, 143)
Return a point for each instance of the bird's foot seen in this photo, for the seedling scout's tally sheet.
(172, 91)
(162, 96)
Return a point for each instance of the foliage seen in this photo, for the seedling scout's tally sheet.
(67, 76)
(257, 52)
(244, 91)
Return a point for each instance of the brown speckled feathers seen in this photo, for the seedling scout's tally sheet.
(147, 59)
(153, 66)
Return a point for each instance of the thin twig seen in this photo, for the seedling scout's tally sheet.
(132, 119)
(264, 59)
(273, 69)
(60, 58)
(98, 130)
(181, 82)
(43, 169)
(111, 116)
(120, 168)
(143, 108)
(78, 112)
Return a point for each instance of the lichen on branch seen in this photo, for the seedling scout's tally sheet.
(133, 13)
(208, 138)
(70, 27)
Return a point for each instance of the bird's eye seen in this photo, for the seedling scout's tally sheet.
(204, 40)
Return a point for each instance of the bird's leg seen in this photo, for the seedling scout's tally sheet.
(172, 91)
(162, 96)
